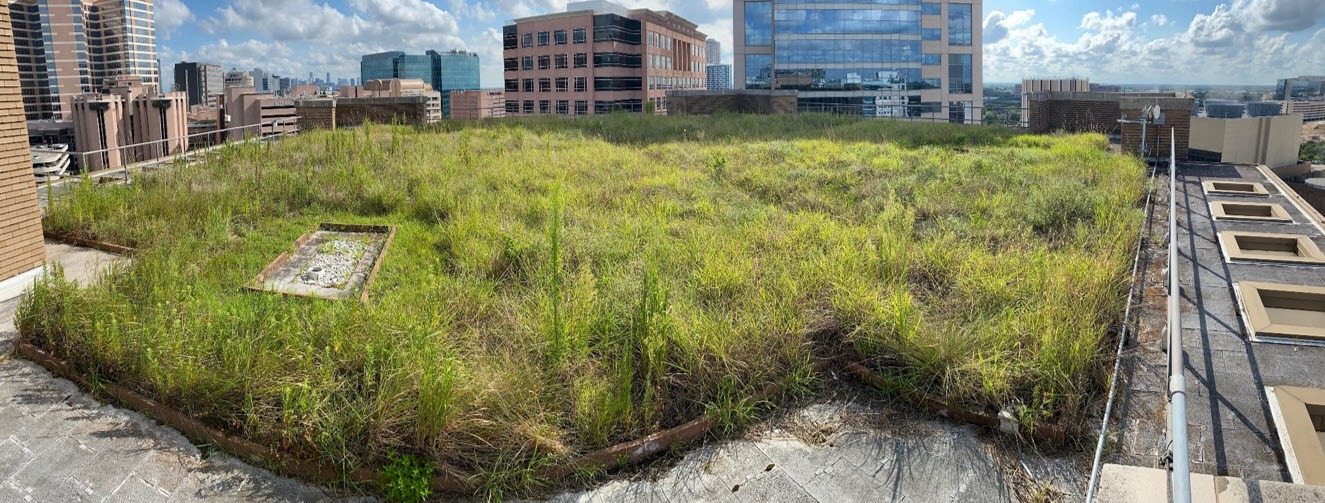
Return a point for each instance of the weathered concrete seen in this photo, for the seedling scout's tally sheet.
(1134, 484)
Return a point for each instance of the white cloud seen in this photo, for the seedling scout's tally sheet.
(997, 24)
(1107, 22)
(1251, 36)
(170, 15)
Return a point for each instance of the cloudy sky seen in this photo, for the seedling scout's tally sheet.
(1157, 41)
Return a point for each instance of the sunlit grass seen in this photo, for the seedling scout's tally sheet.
(558, 286)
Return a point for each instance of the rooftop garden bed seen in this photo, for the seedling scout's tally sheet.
(557, 286)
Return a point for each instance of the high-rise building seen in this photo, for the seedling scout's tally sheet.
(903, 58)
(69, 47)
(599, 57)
(200, 81)
(714, 53)
(261, 81)
(238, 78)
(719, 77)
(1305, 87)
(445, 71)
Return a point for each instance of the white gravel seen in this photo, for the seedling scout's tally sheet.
(330, 270)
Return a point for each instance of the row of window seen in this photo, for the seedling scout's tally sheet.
(600, 60)
(761, 21)
(564, 107)
(545, 38)
(545, 85)
(675, 83)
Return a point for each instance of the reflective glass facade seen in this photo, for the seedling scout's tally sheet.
(444, 71)
(959, 24)
(890, 57)
(758, 23)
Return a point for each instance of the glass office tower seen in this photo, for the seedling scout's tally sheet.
(881, 58)
(444, 71)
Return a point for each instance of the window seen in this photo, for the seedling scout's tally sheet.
(512, 85)
(544, 62)
(581, 84)
(527, 107)
(848, 51)
(931, 34)
(563, 84)
(581, 107)
(563, 107)
(528, 85)
(509, 37)
(581, 60)
(526, 62)
(959, 73)
(544, 107)
(959, 24)
(614, 28)
(617, 84)
(578, 36)
(544, 85)
(758, 71)
(616, 59)
(931, 59)
(958, 111)
(543, 38)
(844, 21)
(511, 64)
(930, 8)
(559, 37)
(512, 107)
(560, 60)
(526, 40)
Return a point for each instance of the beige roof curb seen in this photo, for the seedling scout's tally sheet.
(1137, 484)
(1314, 216)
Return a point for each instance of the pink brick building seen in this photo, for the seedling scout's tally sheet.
(599, 57)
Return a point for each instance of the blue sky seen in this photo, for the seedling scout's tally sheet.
(1164, 41)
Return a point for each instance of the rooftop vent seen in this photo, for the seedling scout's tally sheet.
(1235, 188)
(1299, 415)
(1283, 313)
(1263, 247)
(1261, 212)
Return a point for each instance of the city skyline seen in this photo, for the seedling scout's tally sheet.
(1240, 42)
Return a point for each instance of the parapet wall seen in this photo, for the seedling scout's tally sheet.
(731, 100)
(330, 113)
(1080, 112)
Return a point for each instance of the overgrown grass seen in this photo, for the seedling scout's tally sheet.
(558, 286)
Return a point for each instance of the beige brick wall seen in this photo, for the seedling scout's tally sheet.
(21, 245)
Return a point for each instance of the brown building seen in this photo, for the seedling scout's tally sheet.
(599, 57)
(478, 104)
(129, 114)
(70, 47)
(242, 106)
(398, 88)
(22, 249)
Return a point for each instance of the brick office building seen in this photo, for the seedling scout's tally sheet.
(599, 57)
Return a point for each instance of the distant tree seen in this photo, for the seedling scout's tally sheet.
(1312, 151)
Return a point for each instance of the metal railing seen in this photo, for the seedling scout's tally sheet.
(1008, 116)
(158, 152)
(1180, 480)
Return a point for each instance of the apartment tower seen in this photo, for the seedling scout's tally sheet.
(200, 81)
(901, 58)
(599, 57)
(69, 47)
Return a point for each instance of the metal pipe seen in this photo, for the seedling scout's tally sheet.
(1118, 353)
(1180, 485)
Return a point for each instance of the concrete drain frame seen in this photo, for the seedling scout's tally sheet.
(332, 261)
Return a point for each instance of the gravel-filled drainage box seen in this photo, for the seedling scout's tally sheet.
(1264, 247)
(1299, 414)
(1283, 313)
(332, 261)
(1235, 188)
(1260, 212)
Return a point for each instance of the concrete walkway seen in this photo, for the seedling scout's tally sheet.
(58, 444)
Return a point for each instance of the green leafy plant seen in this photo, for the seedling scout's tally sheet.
(408, 480)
